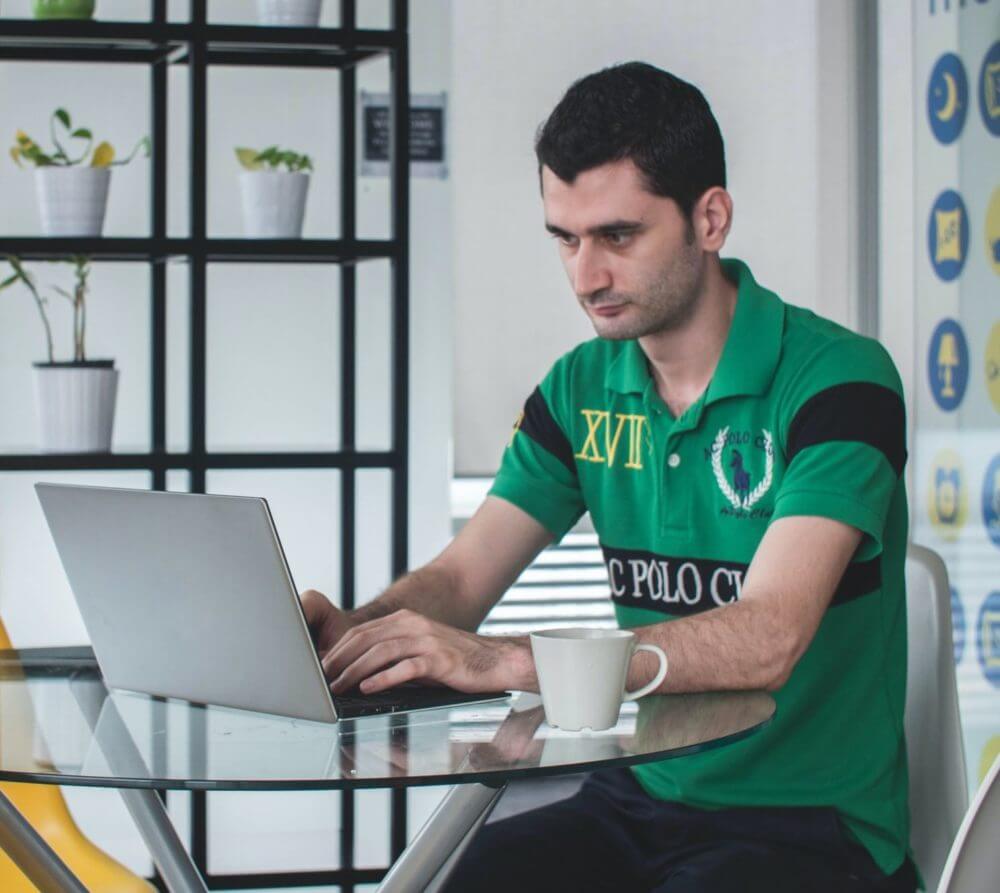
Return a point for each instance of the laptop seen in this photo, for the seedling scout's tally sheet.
(189, 596)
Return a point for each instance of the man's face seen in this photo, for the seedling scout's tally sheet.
(631, 256)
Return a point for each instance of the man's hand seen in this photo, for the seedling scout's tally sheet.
(513, 744)
(327, 623)
(408, 647)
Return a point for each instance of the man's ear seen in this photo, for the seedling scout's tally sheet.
(712, 217)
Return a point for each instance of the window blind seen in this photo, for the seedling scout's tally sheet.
(566, 585)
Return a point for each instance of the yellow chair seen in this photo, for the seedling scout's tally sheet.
(44, 807)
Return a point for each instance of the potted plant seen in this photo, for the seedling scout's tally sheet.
(300, 13)
(75, 398)
(72, 196)
(63, 9)
(274, 183)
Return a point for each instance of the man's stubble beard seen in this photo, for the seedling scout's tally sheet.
(666, 304)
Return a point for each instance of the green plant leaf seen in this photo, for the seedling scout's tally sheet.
(9, 281)
(270, 156)
(63, 116)
(36, 156)
(275, 158)
(82, 133)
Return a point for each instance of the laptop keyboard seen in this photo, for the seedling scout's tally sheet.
(354, 703)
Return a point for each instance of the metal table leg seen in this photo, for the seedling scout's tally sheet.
(147, 810)
(426, 863)
(32, 854)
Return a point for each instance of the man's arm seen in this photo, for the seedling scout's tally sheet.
(754, 643)
(422, 618)
(475, 569)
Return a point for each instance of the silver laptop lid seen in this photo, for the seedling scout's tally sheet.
(188, 596)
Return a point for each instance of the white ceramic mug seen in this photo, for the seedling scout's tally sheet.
(582, 672)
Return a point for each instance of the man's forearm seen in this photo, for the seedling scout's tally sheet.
(738, 646)
(430, 590)
(755, 643)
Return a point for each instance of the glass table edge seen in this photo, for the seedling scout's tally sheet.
(490, 778)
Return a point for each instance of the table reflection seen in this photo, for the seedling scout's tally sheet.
(65, 726)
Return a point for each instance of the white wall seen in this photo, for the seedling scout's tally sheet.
(778, 77)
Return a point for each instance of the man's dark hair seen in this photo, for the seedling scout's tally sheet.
(635, 111)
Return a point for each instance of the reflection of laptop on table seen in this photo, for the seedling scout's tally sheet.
(189, 596)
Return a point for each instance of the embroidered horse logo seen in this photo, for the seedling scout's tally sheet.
(741, 477)
(739, 493)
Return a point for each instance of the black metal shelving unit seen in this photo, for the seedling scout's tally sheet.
(198, 45)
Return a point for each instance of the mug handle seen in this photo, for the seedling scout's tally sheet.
(660, 676)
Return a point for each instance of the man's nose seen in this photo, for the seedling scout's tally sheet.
(590, 273)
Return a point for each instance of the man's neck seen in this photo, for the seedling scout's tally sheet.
(683, 360)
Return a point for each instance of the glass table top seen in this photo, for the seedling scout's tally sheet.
(59, 724)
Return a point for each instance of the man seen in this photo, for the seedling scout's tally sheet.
(741, 461)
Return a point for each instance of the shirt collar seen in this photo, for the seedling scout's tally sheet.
(749, 357)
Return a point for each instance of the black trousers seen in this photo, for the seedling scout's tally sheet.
(612, 836)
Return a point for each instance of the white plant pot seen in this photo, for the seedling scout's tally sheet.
(274, 203)
(76, 406)
(72, 200)
(300, 13)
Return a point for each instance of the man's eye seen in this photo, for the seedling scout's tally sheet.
(617, 239)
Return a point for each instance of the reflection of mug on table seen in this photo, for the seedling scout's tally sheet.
(582, 672)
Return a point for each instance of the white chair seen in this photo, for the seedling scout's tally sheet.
(938, 786)
(974, 861)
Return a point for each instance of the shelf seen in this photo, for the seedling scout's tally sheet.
(292, 47)
(286, 57)
(339, 251)
(58, 248)
(330, 251)
(146, 42)
(75, 41)
(255, 37)
(181, 461)
(200, 46)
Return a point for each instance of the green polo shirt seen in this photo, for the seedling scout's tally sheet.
(802, 417)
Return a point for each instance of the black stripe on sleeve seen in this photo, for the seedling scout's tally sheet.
(857, 411)
(542, 428)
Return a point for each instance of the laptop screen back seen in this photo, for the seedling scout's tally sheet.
(187, 596)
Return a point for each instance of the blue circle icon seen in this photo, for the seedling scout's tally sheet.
(989, 89)
(948, 364)
(957, 625)
(988, 638)
(991, 500)
(948, 235)
(947, 98)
